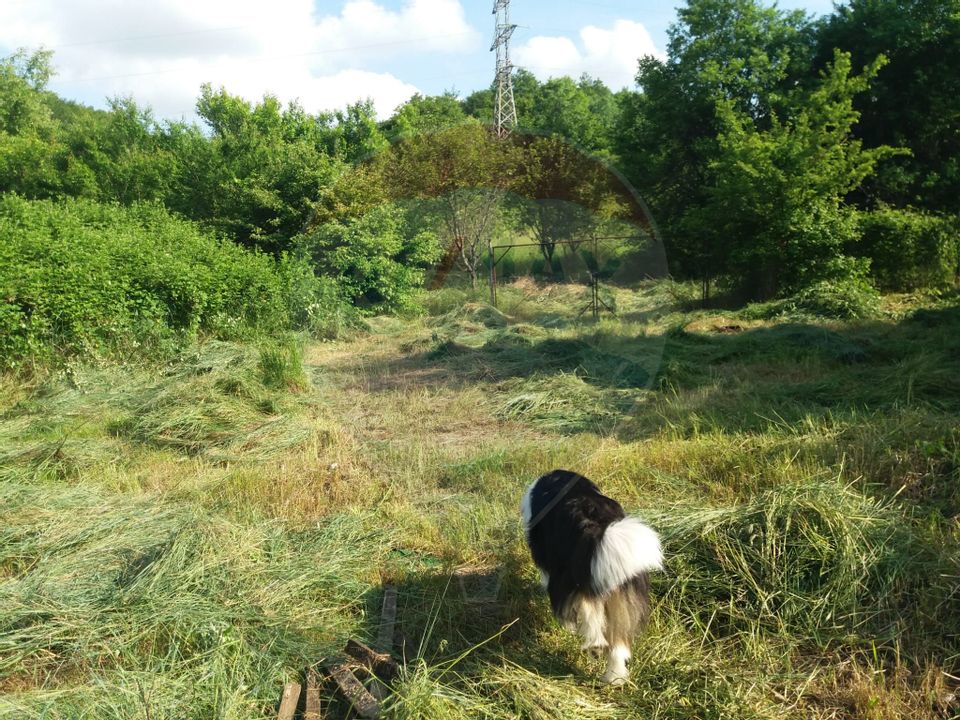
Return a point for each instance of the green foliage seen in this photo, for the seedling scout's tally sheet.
(914, 101)
(80, 277)
(377, 259)
(908, 249)
(315, 304)
(849, 297)
(428, 114)
(776, 208)
(738, 52)
(268, 165)
(583, 112)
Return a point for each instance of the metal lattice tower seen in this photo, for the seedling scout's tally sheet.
(504, 109)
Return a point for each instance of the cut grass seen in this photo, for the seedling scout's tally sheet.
(176, 541)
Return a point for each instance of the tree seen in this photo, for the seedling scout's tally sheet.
(735, 51)
(458, 176)
(914, 101)
(777, 201)
(28, 142)
(268, 167)
(422, 114)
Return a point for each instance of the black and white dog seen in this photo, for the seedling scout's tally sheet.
(594, 563)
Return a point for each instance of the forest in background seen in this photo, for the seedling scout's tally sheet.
(780, 155)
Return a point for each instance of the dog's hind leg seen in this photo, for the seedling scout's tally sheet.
(592, 624)
(626, 610)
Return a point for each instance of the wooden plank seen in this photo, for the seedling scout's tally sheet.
(380, 664)
(362, 702)
(388, 619)
(311, 710)
(288, 701)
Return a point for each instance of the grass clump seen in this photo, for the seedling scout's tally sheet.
(565, 403)
(223, 401)
(843, 299)
(807, 561)
(281, 365)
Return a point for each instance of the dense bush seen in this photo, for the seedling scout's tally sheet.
(377, 259)
(909, 249)
(78, 276)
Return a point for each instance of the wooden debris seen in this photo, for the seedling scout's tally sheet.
(380, 664)
(374, 667)
(362, 702)
(388, 619)
(311, 709)
(288, 701)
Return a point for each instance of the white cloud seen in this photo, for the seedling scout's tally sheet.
(608, 54)
(161, 51)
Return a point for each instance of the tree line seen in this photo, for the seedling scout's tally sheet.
(777, 151)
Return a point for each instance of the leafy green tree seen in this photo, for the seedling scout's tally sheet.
(738, 52)
(28, 131)
(269, 166)
(426, 114)
(777, 205)
(357, 135)
(583, 113)
(914, 102)
(129, 159)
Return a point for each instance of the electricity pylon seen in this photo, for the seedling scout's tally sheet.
(504, 109)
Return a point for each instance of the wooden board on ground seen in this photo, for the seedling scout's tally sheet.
(288, 701)
(362, 702)
(388, 619)
(311, 709)
(380, 664)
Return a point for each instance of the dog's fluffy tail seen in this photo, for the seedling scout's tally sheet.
(627, 549)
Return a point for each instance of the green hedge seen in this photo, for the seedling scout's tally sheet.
(908, 249)
(81, 277)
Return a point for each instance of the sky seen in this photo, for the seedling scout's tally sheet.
(325, 53)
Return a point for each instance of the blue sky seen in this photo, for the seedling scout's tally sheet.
(325, 53)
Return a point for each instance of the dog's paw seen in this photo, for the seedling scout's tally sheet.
(596, 651)
(615, 678)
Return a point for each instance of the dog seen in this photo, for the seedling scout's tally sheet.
(594, 563)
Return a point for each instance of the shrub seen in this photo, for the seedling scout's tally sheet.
(315, 304)
(378, 259)
(849, 296)
(909, 249)
(77, 277)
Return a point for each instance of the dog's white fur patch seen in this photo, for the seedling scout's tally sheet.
(627, 548)
(526, 508)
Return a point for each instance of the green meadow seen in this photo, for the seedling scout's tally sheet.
(179, 538)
